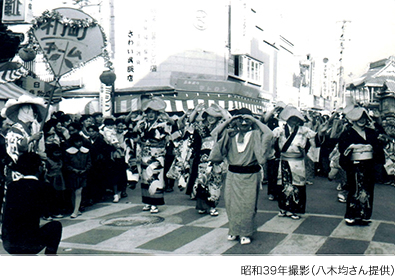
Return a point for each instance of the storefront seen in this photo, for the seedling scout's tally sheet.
(188, 93)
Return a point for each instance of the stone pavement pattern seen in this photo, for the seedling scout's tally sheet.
(123, 229)
(183, 231)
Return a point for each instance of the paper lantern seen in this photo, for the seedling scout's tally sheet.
(27, 54)
(108, 77)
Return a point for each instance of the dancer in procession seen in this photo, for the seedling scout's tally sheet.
(154, 135)
(24, 135)
(244, 142)
(360, 148)
(208, 184)
(291, 140)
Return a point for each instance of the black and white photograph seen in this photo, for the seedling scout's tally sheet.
(197, 138)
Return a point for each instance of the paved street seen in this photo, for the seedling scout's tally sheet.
(123, 229)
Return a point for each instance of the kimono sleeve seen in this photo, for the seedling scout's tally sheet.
(220, 149)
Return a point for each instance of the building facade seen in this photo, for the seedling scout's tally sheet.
(188, 52)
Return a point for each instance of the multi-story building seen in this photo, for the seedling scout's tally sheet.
(189, 52)
(192, 52)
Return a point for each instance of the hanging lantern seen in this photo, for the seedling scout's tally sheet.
(27, 54)
(108, 77)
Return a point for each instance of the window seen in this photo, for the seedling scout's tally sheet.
(249, 69)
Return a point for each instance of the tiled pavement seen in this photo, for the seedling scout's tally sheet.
(179, 230)
(123, 229)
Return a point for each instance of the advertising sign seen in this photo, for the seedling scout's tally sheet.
(17, 11)
(69, 38)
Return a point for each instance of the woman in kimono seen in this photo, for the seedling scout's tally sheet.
(208, 184)
(291, 140)
(360, 148)
(154, 135)
(132, 148)
(25, 134)
(244, 142)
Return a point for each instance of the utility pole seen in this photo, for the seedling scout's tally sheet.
(341, 91)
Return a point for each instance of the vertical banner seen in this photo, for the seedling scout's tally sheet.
(105, 100)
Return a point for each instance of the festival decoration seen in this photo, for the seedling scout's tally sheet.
(107, 77)
(68, 39)
(27, 54)
(11, 71)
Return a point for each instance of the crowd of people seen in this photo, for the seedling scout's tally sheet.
(204, 152)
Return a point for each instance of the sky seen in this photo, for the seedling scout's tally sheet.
(314, 27)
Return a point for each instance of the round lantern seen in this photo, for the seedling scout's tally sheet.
(27, 54)
(108, 77)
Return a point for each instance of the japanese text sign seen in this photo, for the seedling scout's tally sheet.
(69, 38)
(17, 11)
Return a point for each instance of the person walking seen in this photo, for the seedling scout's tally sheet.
(208, 184)
(360, 149)
(244, 142)
(132, 148)
(291, 140)
(271, 119)
(154, 135)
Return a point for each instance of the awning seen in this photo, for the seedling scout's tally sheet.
(11, 91)
(183, 101)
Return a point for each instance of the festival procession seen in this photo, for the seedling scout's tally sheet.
(227, 142)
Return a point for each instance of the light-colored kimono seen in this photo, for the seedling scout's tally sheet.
(241, 189)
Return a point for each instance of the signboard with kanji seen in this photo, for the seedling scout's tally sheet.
(69, 38)
(17, 11)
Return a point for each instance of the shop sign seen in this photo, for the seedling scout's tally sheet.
(105, 100)
(17, 11)
(205, 86)
(217, 87)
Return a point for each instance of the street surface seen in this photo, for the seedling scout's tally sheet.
(123, 229)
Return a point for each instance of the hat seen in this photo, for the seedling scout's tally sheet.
(356, 113)
(154, 103)
(291, 111)
(213, 111)
(243, 111)
(280, 104)
(12, 107)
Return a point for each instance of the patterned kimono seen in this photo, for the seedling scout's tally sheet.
(360, 174)
(210, 176)
(16, 144)
(153, 140)
(181, 166)
(131, 151)
(292, 171)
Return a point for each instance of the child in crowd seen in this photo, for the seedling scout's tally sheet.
(109, 132)
(54, 177)
(77, 162)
